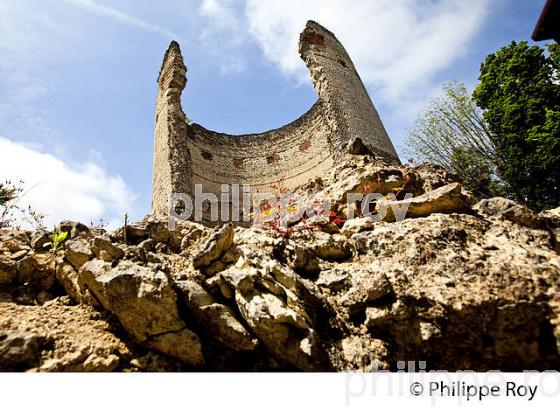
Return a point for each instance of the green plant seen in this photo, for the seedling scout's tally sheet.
(56, 239)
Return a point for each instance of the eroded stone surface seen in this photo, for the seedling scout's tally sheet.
(145, 304)
(458, 287)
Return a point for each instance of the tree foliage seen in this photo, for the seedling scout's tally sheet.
(451, 132)
(519, 91)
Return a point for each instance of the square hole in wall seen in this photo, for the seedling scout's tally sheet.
(271, 159)
(206, 155)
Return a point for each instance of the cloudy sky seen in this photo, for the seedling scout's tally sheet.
(78, 78)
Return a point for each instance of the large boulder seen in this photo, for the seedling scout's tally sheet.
(462, 292)
(105, 249)
(77, 252)
(267, 296)
(218, 321)
(510, 210)
(451, 198)
(145, 304)
(215, 246)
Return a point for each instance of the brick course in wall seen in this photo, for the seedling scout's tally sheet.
(188, 154)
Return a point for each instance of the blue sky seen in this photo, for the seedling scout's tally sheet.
(78, 78)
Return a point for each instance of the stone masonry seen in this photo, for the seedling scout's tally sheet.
(188, 154)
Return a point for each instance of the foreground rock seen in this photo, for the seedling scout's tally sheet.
(58, 337)
(457, 285)
(266, 295)
(146, 306)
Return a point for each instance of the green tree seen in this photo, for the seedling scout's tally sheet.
(452, 133)
(519, 91)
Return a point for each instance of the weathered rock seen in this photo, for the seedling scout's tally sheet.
(220, 286)
(20, 350)
(217, 320)
(103, 248)
(215, 246)
(8, 270)
(367, 287)
(191, 235)
(355, 225)
(334, 279)
(36, 270)
(182, 344)
(74, 229)
(157, 230)
(551, 213)
(451, 198)
(493, 206)
(329, 247)
(147, 228)
(147, 245)
(40, 241)
(67, 276)
(299, 258)
(361, 353)
(137, 231)
(468, 276)
(64, 337)
(457, 287)
(266, 296)
(26, 267)
(13, 240)
(145, 304)
(363, 180)
(509, 210)
(378, 317)
(551, 219)
(77, 253)
(427, 177)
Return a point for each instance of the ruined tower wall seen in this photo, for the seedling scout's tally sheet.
(171, 168)
(284, 158)
(338, 84)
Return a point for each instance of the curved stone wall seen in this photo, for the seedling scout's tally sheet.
(280, 159)
(286, 157)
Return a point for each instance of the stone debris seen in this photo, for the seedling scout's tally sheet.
(145, 304)
(460, 286)
(214, 247)
(218, 321)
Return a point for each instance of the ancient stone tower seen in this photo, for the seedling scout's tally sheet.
(188, 154)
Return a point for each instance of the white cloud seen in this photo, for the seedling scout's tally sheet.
(396, 45)
(226, 32)
(102, 10)
(85, 193)
(221, 11)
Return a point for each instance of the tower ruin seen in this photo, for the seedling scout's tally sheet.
(188, 154)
